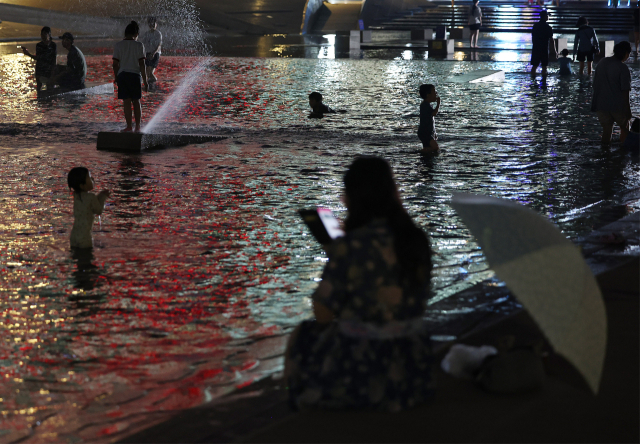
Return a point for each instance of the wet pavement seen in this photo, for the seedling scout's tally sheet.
(201, 265)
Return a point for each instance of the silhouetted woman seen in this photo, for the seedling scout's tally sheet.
(585, 44)
(368, 347)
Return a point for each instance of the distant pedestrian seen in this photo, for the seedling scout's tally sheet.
(86, 206)
(427, 128)
(611, 90)
(72, 75)
(46, 52)
(128, 66)
(475, 21)
(542, 37)
(565, 63)
(152, 41)
(636, 25)
(585, 44)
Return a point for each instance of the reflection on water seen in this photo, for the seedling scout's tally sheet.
(201, 265)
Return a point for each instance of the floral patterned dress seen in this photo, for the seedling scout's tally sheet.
(376, 355)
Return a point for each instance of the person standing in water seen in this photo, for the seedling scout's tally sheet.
(541, 36)
(45, 57)
(86, 205)
(427, 128)
(475, 20)
(585, 44)
(128, 67)
(72, 75)
(152, 41)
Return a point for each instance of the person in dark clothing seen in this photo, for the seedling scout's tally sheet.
(541, 35)
(73, 74)
(611, 91)
(318, 109)
(427, 128)
(585, 44)
(46, 52)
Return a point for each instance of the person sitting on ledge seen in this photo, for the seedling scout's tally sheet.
(318, 109)
(46, 52)
(368, 347)
(73, 74)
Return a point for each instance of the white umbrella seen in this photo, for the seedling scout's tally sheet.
(546, 273)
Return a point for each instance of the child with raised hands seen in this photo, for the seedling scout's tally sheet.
(86, 205)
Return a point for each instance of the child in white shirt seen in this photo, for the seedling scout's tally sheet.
(128, 67)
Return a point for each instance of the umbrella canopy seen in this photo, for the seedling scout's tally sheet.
(546, 273)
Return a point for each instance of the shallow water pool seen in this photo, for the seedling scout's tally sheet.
(201, 265)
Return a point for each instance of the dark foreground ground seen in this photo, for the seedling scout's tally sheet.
(564, 411)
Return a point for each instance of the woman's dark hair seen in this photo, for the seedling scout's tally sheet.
(621, 49)
(582, 21)
(132, 29)
(46, 30)
(151, 21)
(473, 7)
(76, 177)
(425, 90)
(372, 194)
(316, 96)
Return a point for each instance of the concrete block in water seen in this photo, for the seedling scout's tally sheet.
(422, 34)
(441, 47)
(90, 88)
(562, 44)
(357, 37)
(478, 76)
(460, 33)
(137, 142)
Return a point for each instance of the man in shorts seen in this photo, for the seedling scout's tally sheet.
(541, 35)
(611, 89)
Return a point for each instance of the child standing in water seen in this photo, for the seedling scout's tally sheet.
(128, 67)
(427, 128)
(152, 41)
(85, 206)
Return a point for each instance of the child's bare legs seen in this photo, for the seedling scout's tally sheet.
(589, 66)
(150, 75)
(126, 103)
(431, 147)
(137, 112)
(582, 68)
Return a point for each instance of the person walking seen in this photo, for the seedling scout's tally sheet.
(585, 44)
(611, 90)
(541, 36)
(475, 20)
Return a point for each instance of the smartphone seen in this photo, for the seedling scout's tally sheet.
(322, 224)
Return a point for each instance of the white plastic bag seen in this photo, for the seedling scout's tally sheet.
(463, 360)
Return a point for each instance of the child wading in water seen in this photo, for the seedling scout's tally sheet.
(427, 128)
(152, 41)
(128, 66)
(85, 206)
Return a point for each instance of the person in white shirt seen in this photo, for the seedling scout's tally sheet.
(128, 67)
(475, 20)
(152, 41)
